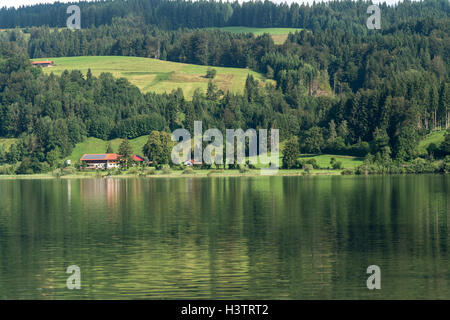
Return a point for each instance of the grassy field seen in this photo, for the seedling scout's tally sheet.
(279, 35)
(7, 142)
(152, 75)
(94, 145)
(323, 160)
(435, 137)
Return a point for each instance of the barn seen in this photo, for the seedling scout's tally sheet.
(105, 160)
(47, 63)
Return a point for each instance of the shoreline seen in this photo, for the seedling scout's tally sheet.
(198, 174)
(172, 175)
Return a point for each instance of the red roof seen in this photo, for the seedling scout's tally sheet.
(195, 162)
(107, 156)
(100, 156)
(42, 62)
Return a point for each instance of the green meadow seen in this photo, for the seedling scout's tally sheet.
(7, 142)
(153, 75)
(279, 35)
(95, 145)
(436, 137)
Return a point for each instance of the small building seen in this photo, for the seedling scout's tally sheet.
(190, 163)
(105, 160)
(101, 161)
(46, 63)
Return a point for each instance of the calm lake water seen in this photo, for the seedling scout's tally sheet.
(242, 237)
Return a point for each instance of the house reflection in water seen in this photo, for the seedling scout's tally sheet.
(100, 194)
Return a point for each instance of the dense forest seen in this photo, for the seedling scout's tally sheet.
(340, 88)
(176, 14)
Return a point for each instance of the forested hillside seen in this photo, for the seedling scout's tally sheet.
(340, 88)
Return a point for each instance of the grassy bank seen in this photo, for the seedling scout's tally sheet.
(197, 173)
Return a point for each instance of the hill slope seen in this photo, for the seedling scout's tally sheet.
(152, 75)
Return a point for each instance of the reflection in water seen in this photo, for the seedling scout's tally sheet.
(244, 237)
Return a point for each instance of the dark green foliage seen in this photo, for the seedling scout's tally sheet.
(445, 145)
(109, 148)
(335, 164)
(29, 166)
(125, 148)
(312, 141)
(291, 152)
(158, 148)
(211, 73)
(125, 151)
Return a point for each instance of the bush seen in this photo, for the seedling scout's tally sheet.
(308, 168)
(133, 170)
(151, 171)
(337, 165)
(29, 166)
(243, 168)
(348, 171)
(114, 172)
(166, 170)
(57, 173)
(299, 163)
(446, 164)
(313, 163)
(69, 171)
(211, 73)
(362, 169)
(420, 165)
(7, 169)
(64, 172)
(188, 170)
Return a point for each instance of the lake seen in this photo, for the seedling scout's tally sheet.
(303, 237)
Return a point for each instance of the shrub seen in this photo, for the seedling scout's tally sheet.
(150, 171)
(313, 163)
(362, 169)
(7, 169)
(57, 173)
(68, 171)
(243, 168)
(446, 164)
(166, 170)
(188, 170)
(347, 171)
(133, 170)
(211, 73)
(308, 168)
(337, 165)
(299, 163)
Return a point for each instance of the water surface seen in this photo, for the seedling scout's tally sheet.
(222, 238)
